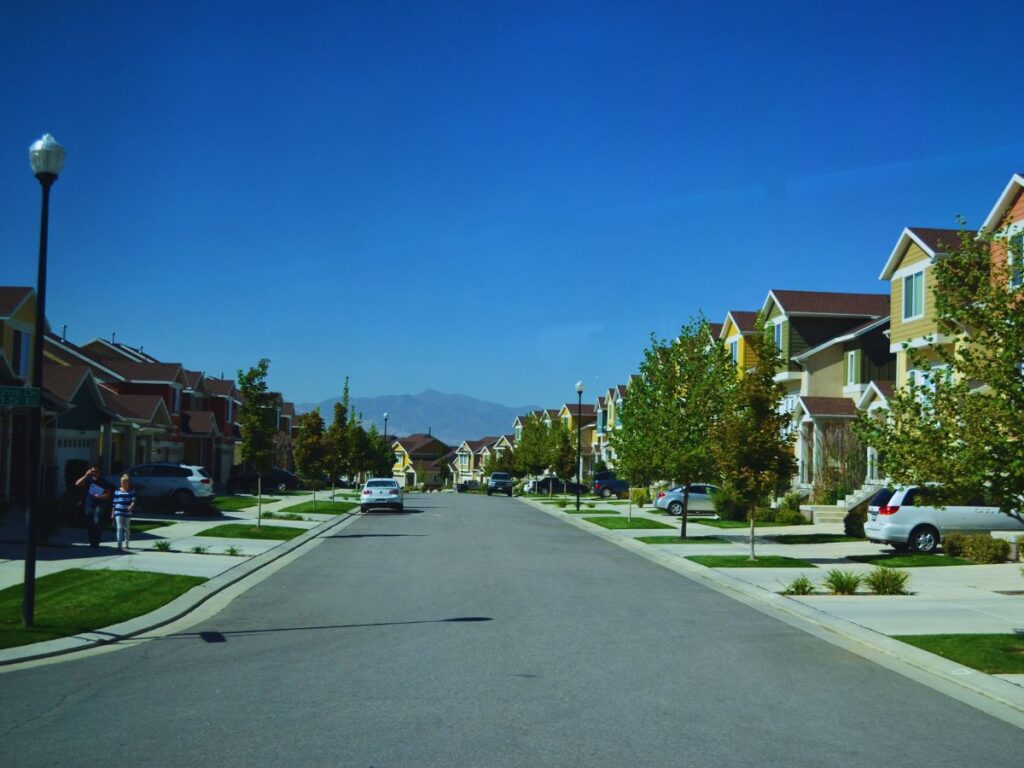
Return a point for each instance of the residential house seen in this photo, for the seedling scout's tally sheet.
(17, 326)
(469, 456)
(613, 420)
(1007, 219)
(836, 374)
(599, 438)
(224, 401)
(803, 320)
(739, 325)
(419, 460)
(583, 418)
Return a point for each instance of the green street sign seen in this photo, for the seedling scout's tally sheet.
(19, 396)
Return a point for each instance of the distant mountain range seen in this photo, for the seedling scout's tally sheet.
(452, 418)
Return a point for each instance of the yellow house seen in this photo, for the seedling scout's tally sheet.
(418, 460)
(17, 328)
(738, 326)
(913, 322)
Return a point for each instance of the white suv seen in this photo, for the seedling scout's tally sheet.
(910, 518)
(381, 492)
(184, 487)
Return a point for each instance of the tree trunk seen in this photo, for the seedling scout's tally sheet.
(686, 511)
(259, 500)
(752, 555)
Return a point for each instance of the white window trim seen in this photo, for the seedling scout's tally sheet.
(852, 374)
(1017, 228)
(903, 310)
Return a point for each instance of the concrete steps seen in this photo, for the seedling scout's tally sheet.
(824, 513)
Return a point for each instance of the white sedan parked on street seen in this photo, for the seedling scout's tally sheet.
(700, 499)
(381, 492)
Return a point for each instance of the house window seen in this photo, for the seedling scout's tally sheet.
(734, 351)
(618, 412)
(852, 376)
(519, 433)
(227, 412)
(21, 354)
(913, 296)
(778, 336)
(1017, 261)
(175, 400)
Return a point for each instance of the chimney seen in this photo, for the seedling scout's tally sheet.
(64, 332)
(113, 337)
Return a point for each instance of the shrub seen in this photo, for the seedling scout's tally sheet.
(888, 581)
(727, 504)
(162, 546)
(199, 549)
(561, 503)
(639, 496)
(953, 544)
(234, 551)
(853, 523)
(842, 582)
(791, 502)
(985, 549)
(788, 516)
(801, 585)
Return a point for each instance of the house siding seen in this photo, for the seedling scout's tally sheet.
(923, 326)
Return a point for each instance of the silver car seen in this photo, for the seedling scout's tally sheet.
(381, 492)
(910, 518)
(700, 499)
(183, 487)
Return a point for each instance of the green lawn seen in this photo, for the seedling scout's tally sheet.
(909, 560)
(80, 600)
(995, 654)
(325, 507)
(571, 510)
(234, 503)
(677, 540)
(619, 522)
(812, 538)
(743, 561)
(736, 523)
(247, 531)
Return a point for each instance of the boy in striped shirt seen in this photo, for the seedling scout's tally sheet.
(124, 505)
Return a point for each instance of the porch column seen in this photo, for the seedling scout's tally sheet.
(107, 440)
(816, 448)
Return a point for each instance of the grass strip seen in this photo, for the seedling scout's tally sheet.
(81, 600)
(812, 538)
(620, 523)
(572, 511)
(247, 531)
(322, 507)
(677, 540)
(737, 523)
(234, 503)
(744, 561)
(909, 560)
(994, 654)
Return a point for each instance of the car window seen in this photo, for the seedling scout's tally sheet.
(204, 473)
(698, 489)
(146, 470)
(165, 471)
(382, 484)
(881, 498)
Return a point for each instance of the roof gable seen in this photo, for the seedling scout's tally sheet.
(930, 240)
(11, 299)
(995, 218)
(826, 303)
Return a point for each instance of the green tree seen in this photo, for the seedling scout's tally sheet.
(673, 407)
(338, 458)
(257, 419)
(751, 441)
(562, 447)
(311, 450)
(381, 455)
(359, 447)
(962, 420)
(532, 455)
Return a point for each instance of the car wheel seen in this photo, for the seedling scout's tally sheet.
(183, 500)
(606, 493)
(362, 509)
(675, 508)
(509, 494)
(401, 507)
(488, 493)
(924, 539)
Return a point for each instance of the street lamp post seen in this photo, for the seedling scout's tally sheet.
(46, 156)
(579, 442)
(385, 427)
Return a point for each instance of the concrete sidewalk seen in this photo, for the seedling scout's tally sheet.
(983, 599)
(69, 548)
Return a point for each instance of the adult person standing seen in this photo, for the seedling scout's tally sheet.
(124, 505)
(96, 493)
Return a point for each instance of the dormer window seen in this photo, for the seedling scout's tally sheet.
(1017, 259)
(852, 377)
(913, 296)
(175, 400)
(734, 351)
(778, 336)
(21, 354)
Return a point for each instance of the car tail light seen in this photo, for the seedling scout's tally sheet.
(660, 494)
(205, 481)
(366, 491)
(393, 491)
(888, 510)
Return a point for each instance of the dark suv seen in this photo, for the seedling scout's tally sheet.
(607, 485)
(499, 482)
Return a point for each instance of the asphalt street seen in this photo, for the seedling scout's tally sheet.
(474, 631)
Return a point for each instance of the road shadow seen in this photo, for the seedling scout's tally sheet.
(221, 637)
(387, 512)
(372, 535)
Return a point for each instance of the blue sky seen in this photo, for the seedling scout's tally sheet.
(495, 199)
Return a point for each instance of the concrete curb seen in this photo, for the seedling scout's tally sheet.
(172, 611)
(1000, 698)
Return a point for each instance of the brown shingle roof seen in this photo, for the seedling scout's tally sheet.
(63, 380)
(414, 442)
(484, 442)
(826, 303)
(192, 378)
(939, 240)
(746, 321)
(715, 329)
(222, 387)
(587, 409)
(287, 409)
(11, 298)
(142, 407)
(198, 423)
(829, 406)
(163, 372)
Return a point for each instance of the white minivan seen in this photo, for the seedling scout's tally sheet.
(911, 518)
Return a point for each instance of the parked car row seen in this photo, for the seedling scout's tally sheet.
(699, 500)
